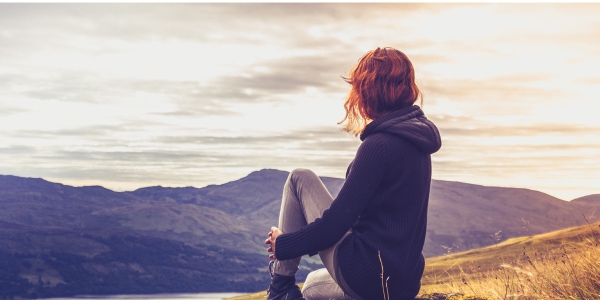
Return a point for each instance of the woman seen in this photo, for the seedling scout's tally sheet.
(377, 222)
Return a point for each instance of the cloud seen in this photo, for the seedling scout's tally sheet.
(134, 94)
(507, 130)
(7, 111)
(17, 150)
(317, 139)
(96, 131)
(263, 82)
(196, 160)
(491, 90)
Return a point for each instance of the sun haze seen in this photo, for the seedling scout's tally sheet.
(132, 95)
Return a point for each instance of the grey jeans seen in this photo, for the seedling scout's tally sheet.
(305, 198)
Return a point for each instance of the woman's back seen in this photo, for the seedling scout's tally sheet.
(393, 224)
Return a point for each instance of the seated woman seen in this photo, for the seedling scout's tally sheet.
(371, 236)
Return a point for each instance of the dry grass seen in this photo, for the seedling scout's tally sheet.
(560, 265)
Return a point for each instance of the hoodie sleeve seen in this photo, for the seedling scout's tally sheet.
(361, 184)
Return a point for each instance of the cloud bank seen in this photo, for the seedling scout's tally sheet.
(132, 95)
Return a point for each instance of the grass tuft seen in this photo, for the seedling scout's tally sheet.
(559, 265)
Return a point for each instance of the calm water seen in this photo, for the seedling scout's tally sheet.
(203, 296)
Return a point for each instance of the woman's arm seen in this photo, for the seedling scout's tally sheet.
(361, 184)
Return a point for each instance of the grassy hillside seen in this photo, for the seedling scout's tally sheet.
(563, 264)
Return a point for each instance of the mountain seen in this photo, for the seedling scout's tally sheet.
(237, 197)
(589, 202)
(590, 199)
(58, 240)
(464, 216)
(65, 240)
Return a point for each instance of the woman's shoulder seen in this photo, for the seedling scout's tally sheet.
(376, 140)
(383, 139)
(378, 144)
(385, 143)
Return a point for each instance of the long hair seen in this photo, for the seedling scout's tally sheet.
(381, 82)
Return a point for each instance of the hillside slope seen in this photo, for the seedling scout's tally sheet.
(464, 216)
(50, 230)
(558, 265)
(446, 267)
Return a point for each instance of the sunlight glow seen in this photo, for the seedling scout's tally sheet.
(194, 101)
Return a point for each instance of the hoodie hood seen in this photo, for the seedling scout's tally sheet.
(408, 123)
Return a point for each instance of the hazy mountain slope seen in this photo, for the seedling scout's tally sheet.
(68, 262)
(589, 199)
(36, 202)
(233, 214)
(253, 192)
(46, 227)
(89, 240)
(466, 215)
(42, 204)
(236, 197)
(188, 223)
(253, 200)
(589, 204)
(461, 216)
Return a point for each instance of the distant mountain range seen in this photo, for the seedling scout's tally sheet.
(58, 240)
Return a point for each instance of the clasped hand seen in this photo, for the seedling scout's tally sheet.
(273, 234)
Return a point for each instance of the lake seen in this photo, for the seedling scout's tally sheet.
(202, 296)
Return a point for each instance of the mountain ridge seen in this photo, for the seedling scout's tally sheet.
(585, 198)
(255, 199)
(92, 228)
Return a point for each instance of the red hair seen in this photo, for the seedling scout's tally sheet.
(382, 81)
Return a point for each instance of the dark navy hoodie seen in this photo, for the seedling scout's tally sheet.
(384, 201)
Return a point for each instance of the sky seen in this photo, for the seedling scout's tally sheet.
(133, 95)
